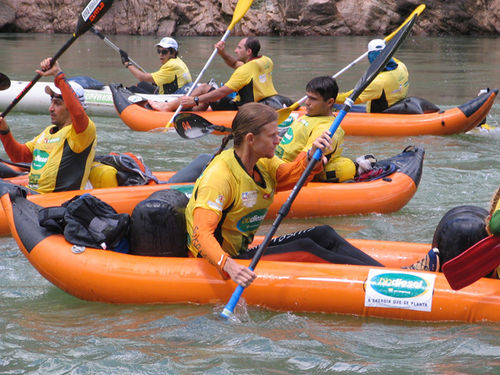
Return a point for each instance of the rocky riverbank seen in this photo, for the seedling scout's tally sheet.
(265, 17)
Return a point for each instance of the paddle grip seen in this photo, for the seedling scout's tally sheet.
(335, 125)
(233, 301)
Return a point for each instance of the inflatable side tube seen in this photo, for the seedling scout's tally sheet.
(410, 162)
(121, 96)
(25, 215)
(473, 105)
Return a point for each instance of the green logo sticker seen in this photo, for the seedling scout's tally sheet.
(251, 222)
(40, 158)
(399, 285)
(287, 137)
(287, 122)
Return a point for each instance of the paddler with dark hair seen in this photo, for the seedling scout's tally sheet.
(60, 156)
(321, 93)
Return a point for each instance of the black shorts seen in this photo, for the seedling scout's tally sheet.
(225, 104)
(228, 104)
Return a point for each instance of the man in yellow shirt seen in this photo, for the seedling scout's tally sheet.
(173, 77)
(388, 88)
(321, 93)
(62, 154)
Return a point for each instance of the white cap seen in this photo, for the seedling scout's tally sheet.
(168, 43)
(77, 88)
(376, 45)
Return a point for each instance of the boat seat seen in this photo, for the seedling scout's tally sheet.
(412, 105)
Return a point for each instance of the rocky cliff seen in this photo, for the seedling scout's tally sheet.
(265, 17)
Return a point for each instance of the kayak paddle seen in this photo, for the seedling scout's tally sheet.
(475, 262)
(114, 46)
(192, 126)
(283, 113)
(378, 64)
(4, 82)
(239, 11)
(90, 15)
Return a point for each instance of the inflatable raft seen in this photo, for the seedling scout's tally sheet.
(316, 199)
(107, 276)
(99, 99)
(459, 119)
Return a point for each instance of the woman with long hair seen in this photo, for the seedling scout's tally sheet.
(232, 196)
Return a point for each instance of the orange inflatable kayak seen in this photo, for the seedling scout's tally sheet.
(456, 120)
(317, 199)
(107, 276)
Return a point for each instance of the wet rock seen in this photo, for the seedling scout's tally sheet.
(7, 15)
(265, 17)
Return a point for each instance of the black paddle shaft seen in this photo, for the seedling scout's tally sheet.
(94, 10)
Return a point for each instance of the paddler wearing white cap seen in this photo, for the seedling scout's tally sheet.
(388, 88)
(173, 77)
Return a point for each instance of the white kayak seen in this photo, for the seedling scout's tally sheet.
(99, 101)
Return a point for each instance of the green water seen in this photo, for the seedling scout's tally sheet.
(45, 331)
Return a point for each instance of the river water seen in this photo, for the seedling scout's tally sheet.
(45, 331)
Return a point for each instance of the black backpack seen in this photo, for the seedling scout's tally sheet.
(130, 168)
(158, 225)
(87, 221)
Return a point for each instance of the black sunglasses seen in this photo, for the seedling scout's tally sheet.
(162, 51)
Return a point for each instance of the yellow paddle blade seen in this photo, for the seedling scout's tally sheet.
(417, 11)
(283, 113)
(239, 11)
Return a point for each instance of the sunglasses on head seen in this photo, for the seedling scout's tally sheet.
(162, 51)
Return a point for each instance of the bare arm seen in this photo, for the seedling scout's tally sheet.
(228, 59)
(140, 75)
(205, 223)
(212, 96)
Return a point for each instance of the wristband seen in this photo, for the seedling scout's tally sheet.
(196, 100)
(5, 132)
(127, 64)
